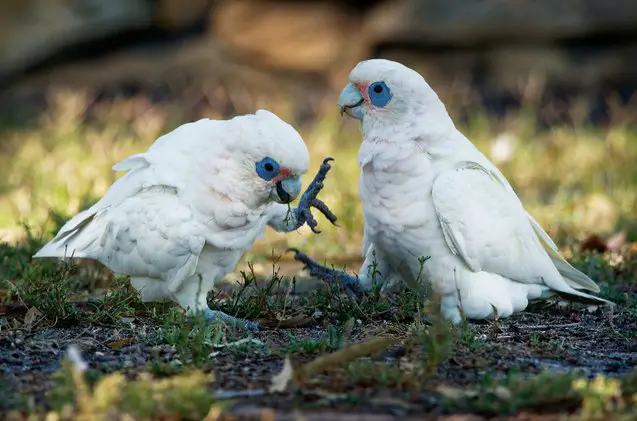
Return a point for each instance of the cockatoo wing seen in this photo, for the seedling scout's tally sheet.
(151, 234)
(122, 189)
(485, 224)
(573, 277)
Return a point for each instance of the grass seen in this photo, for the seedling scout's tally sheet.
(147, 397)
(185, 352)
(574, 180)
(151, 361)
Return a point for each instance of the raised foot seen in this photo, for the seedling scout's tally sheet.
(333, 276)
(308, 200)
(216, 316)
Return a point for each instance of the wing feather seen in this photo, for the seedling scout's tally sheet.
(153, 235)
(573, 277)
(485, 224)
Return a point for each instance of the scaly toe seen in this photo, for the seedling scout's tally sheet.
(216, 316)
(322, 207)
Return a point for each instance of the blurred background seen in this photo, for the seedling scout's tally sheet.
(545, 88)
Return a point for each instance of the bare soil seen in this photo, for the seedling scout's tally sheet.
(553, 338)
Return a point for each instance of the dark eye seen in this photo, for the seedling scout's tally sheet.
(267, 168)
(379, 94)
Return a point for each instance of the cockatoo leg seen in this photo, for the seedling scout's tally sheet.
(333, 276)
(220, 316)
(308, 199)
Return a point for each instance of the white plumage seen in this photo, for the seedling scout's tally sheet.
(182, 216)
(427, 191)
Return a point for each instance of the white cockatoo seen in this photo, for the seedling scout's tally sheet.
(182, 216)
(437, 210)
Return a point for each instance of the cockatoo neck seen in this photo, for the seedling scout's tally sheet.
(430, 129)
(424, 120)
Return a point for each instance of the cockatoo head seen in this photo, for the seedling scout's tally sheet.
(273, 157)
(384, 92)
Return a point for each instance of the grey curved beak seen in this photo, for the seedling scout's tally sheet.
(287, 190)
(351, 101)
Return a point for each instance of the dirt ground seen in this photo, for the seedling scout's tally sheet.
(544, 338)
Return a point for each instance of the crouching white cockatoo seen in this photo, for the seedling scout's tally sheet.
(182, 216)
(427, 192)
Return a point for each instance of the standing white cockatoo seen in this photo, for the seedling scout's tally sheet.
(182, 216)
(428, 192)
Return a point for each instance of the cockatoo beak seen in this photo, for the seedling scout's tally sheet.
(286, 190)
(351, 102)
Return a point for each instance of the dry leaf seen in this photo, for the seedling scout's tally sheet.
(214, 414)
(296, 321)
(592, 308)
(459, 394)
(593, 243)
(456, 393)
(343, 357)
(281, 381)
(502, 392)
(616, 242)
(122, 342)
(32, 318)
(239, 343)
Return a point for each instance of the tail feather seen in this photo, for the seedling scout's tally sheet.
(80, 236)
(573, 277)
(77, 238)
(584, 298)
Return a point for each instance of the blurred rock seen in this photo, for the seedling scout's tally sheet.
(595, 243)
(315, 37)
(511, 51)
(526, 72)
(31, 30)
(491, 53)
(179, 14)
(470, 22)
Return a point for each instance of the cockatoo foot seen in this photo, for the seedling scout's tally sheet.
(426, 320)
(333, 276)
(220, 316)
(308, 199)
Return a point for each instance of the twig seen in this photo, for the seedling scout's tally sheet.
(546, 327)
(233, 394)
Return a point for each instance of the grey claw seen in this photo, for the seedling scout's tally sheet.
(308, 200)
(251, 326)
(322, 207)
(233, 321)
(294, 250)
(331, 276)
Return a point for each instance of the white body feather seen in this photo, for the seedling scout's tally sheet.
(427, 191)
(182, 216)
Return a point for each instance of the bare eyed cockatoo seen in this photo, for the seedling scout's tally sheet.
(182, 216)
(427, 192)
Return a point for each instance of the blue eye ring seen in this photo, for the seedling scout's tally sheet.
(379, 94)
(267, 168)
